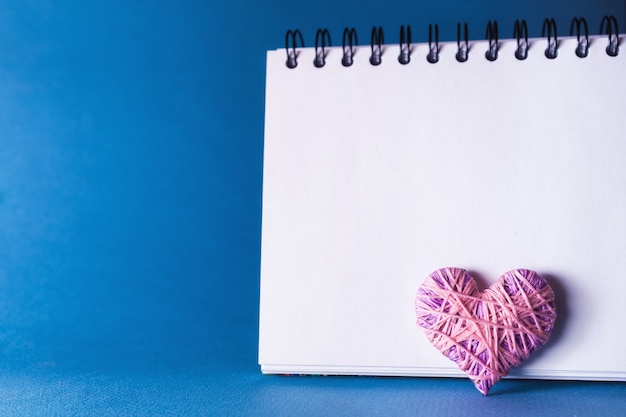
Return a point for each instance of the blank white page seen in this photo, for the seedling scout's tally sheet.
(375, 176)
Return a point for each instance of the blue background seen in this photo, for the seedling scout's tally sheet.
(131, 152)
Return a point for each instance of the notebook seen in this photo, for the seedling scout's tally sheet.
(380, 172)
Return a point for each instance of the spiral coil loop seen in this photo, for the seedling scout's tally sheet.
(320, 50)
(292, 53)
(405, 45)
(520, 32)
(462, 53)
(582, 49)
(611, 29)
(549, 25)
(377, 46)
(492, 37)
(349, 35)
(433, 48)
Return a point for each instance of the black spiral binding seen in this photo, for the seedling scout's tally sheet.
(553, 43)
(320, 50)
(608, 26)
(492, 37)
(582, 49)
(611, 29)
(377, 46)
(405, 45)
(433, 48)
(292, 54)
(462, 53)
(520, 32)
(348, 52)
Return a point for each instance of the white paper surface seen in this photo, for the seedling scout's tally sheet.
(376, 176)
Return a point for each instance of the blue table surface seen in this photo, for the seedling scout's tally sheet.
(131, 151)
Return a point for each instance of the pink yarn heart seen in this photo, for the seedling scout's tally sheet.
(486, 333)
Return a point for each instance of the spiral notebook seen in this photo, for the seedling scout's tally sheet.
(378, 173)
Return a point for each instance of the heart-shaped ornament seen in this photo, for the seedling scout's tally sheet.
(486, 333)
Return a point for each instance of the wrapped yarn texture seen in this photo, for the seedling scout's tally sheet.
(486, 333)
